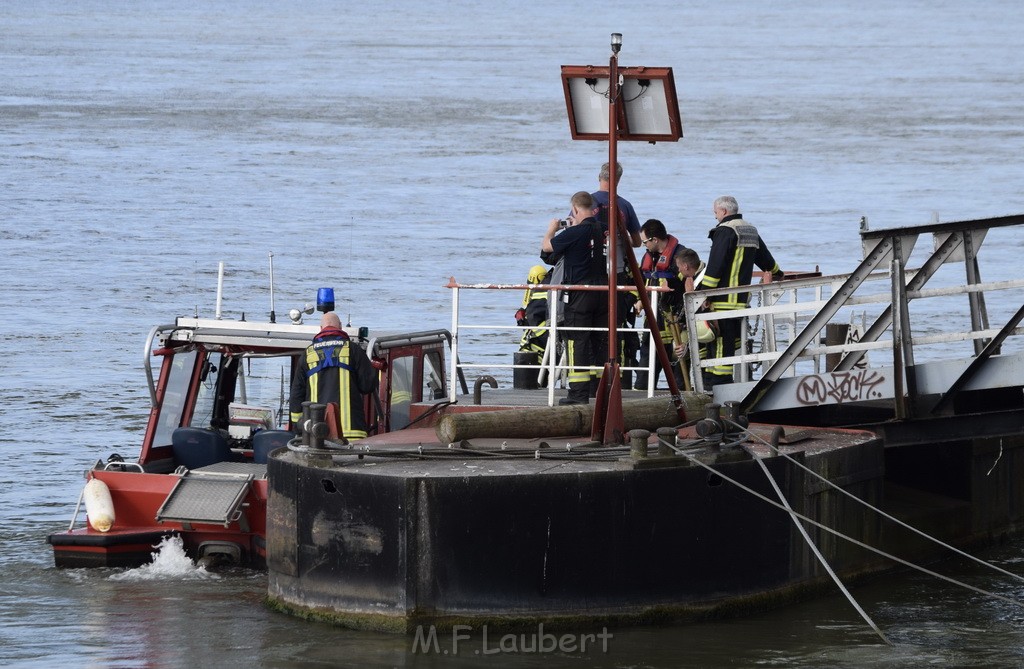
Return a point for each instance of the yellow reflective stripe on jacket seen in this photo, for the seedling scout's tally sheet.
(344, 388)
(534, 294)
(732, 300)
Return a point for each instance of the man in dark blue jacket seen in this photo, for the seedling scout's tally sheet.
(581, 246)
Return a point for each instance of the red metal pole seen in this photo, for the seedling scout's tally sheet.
(613, 206)
(608, 425)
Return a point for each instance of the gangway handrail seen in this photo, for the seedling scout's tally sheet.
(792, 328)
(811, 307)
(817, 351)
(937, 228)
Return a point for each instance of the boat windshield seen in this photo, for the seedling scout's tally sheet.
(174, 396)
(403, 385)
(433, 377)
(252, 381)
(401, 397)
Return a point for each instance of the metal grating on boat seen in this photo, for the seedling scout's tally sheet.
(205, 497)
(239, 468)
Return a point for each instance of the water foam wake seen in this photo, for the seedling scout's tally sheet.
(169, 563)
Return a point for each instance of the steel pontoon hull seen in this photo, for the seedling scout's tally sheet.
(391, 546)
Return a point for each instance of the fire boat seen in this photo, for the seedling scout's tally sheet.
(219, 406)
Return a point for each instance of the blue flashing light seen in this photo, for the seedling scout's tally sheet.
(325, 299)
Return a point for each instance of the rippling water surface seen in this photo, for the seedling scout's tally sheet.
(383, 147)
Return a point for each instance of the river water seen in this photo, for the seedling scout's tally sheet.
(384, 147)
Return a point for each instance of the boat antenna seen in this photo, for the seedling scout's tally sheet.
(195, 285)
(351, 226)
(273, 317)
(280, 400)
(220, 286)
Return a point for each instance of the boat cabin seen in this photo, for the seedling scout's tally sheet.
(219, 405)
(233, 378)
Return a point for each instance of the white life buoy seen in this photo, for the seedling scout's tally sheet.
(99, 507)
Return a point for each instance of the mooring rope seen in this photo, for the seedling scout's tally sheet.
(839, 534)
(817, 553)
(849, 494)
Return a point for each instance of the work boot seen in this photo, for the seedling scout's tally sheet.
(579, 393)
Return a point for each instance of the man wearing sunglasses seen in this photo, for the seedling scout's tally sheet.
(659, 269)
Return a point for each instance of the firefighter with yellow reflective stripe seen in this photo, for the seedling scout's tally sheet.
(534, 311)
(736, 247)
(581, 245)
(691, 271)
(334, 370)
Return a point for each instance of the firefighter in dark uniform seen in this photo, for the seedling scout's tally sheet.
(581, 245)
(334, 370)
(736, 247)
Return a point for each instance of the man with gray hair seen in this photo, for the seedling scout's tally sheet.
(736, 247)
(603, 196)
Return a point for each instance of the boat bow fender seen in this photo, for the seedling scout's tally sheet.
(99, 506)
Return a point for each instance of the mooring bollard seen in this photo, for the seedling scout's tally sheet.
(666, 436)
(304, 423)
(735, 422)
(313, 424)
(638, 443)
(710, 427)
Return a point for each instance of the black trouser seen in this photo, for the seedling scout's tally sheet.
(645, 360)
(629, 342)
(723, 346)
(585, 348)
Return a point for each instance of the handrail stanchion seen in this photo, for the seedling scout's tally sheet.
(552, 343)
(818, 295)
(455, 338)
(690, 306)
(898, 369)
(652, 351)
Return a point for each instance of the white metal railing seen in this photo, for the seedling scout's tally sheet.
(550, 367)
(781, 315)
(777, 315)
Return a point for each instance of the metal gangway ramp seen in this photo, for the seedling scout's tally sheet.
(885, 340)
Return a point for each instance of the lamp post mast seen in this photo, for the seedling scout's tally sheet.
(613, 204)
(608, 425)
